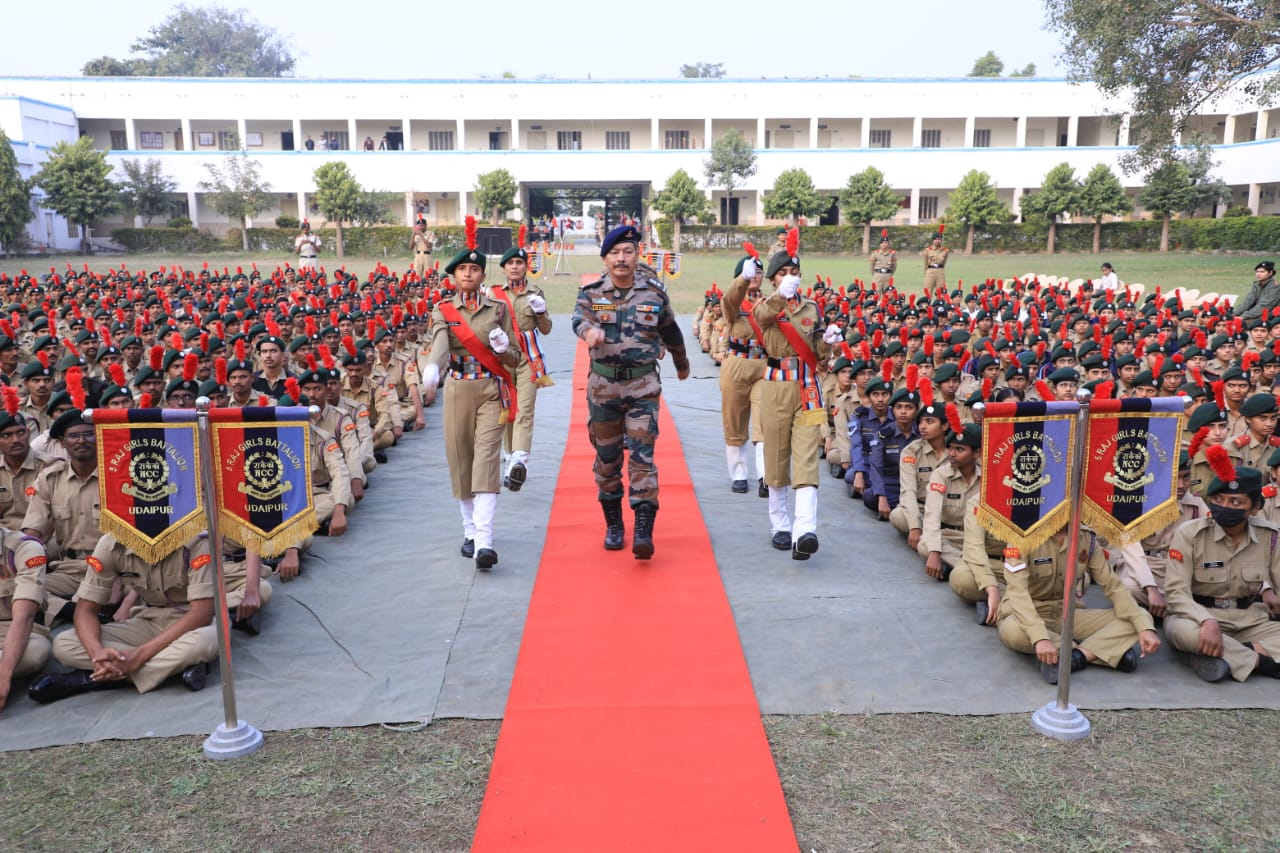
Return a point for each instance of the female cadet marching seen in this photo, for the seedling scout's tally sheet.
(741, 372)
(471, 343)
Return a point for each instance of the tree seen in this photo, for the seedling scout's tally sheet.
(1101, 195)
(975, 204)
(866, 199)
(1168, 191)
(338, 195)
(794, 195)
(1029, 71)
(74, 179)
(145, 190)
(703, 69)
(1168, 57)
(987, 65)
(15, 197)
(1059, 194)
(496, 193)
(1209, 190)
(203, 42)
(732, 161)
(236, 190)
(374, 208)
(681, 199)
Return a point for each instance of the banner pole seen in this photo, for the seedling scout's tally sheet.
(233, 737)
(1060, 719)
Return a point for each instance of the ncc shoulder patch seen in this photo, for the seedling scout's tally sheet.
(348, 427)
(201, 561)
(1010, 553)
(31, 490)
(602, 306)
(1242, 440)
(1175, 553)
(94, 563)
(364, 413)
(910, 460)
(36, 562)
(331, 447)
(938, 487)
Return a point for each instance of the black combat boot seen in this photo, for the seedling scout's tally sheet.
(642, 539)
(614, 530)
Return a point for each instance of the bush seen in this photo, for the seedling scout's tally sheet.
(166, 240)
(289, 223)
(1237, 210)
(179, 222)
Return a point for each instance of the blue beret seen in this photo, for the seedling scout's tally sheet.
(621, 234)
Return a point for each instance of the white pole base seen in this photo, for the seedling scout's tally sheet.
(1052, 721)
(227, 743)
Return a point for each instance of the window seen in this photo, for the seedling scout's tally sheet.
(931, 139)
(982, 138)
(569, 140)
(617, 140)
(228, 140)
(928, 207)
(675, 139)
(440, 140)
(119, 141)
(151, 139)
(253, 138)
(497, 140)
(882, 139)
(204, 137)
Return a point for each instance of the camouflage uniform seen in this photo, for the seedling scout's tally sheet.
(624, 389)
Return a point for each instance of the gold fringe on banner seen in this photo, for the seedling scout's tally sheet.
(1106, 526)
(1001, 528)
(544, 382)
(270, 543)
(155, 550)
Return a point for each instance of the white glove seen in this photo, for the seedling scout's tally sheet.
(833, 335)
(789, 286)
(431, 376)
(498, 341)
(537, 303)
(749, 269)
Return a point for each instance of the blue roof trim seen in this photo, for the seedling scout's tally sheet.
(23, 98)
(682, 81)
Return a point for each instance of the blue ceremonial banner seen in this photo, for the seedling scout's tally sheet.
(1027, 450)
(1131, 467)
(149, 486)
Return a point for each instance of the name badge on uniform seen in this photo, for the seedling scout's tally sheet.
(129, 574)
(1196, 482)
(1216, 564)
(923, 469)
(606, 312)
(453, 322)
(954, 496)
(1040, 561)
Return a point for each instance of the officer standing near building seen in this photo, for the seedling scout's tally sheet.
(935, 262)
(307, 247)
(626, 320)
(422, 244)
(884, 262)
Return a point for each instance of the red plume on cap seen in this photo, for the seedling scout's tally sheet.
(953, 419)
(926, 392)
(75, 387)
(986, 388)
(1043, 389)
(12, 402)
(1220, 462)
(886, 370)
(991, 350)
(877, 338)
(1106, 348)
(520, 235)
(472, 241)
(793, 242)
(326, 356)
(1157, 362)
(190, 363)
(942, 227)
(262, 398)
(240, 350)
(43, 358)
(1196, 376)
(928, 345)
(1197, 441)
(913, 377)
(884, 233)
(1040, 350)
(292, 389)
(846, 350)
(145, 402)
(349, 344)
(751, 250)
(220, 370)
(1102, 390)
(175, 341)
(117, 375)
(1248, 360)
(865, 349)
(155, 358)
(1220, 395)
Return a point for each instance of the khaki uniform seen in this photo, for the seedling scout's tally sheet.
(16, 488)
(358, 413)
(422, 245)
(37, 420)
(1031, 609)
(790, 443)
(473, 405)
(942, 527)
(22, 573)
(335, 423)
(741, 371)
(935, 262)
(719, 340)
(235, 576)
(375, 400)
(1254, 453)
(519, 433)
(842, 407)
(165, 591)
(1144, 564)
(884, 263)
(395, 377)
(64, 512)
(330, 478)
(983, 562)
(915, 469)
(1202, 471)
(1209, 578)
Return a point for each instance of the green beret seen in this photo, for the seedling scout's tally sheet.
(1064, 374)
(65, 421)
(466, 256)
(970, 436)
(780, 260)
(1234, 373)
(112, 392)
(1248, 481)
(35, 368)
(211, 386)
(879, 384)
(513, 253)
(1258, 404)
(945, 372)
(1204, 415)
(902, 395)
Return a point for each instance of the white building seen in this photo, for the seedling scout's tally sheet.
(615, 140)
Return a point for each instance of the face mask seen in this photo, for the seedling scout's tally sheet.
(1226, 516)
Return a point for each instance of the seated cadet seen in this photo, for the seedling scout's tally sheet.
(918, 461)
(979, 576)
(355, 411)
(950, 489)
(248, 591)
(19, 464)
(24, 639)
(334, 423)
(1030, 616)
(863, 426)
(1270, 492)
(355, 385)
(171, 633)
(841, 405)
(1220, 581)
(886, 453)
(1258, 440)
(1207, 427)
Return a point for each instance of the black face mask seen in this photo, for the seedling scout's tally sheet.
(1227, 516)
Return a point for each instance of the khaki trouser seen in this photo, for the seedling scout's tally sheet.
(952, 548)
(518, 435)
(1253, 624)
(61, 582)
(935, 278)
(1098, 631)
(35, 655)
(198, 646)
(740, 381)
(421, 262)
(965, 584)
(898, 518)
(473, 435)
(790, 447)
(235, 578)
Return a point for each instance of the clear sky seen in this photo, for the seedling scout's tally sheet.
(432, 39)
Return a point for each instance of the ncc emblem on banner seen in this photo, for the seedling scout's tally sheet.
(534, 268)
(1130, 483)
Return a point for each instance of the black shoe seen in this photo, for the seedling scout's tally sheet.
(615, 532)
(980, 607)
(516, 478)
(762, 490)
(837, 471)
(642, 538)
(946, 573)
(486, 558)
(782, 540)
(1048, 672)
(807, 545)
(195, 676)
(739, 487)
(1209, 668)
(1266, 664)
(853, 493)
(1078, 660)
(1129, 661)
(468, 548)
(380, 456)
(51, 688)
(251, 626)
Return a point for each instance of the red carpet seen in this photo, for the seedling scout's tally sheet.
(631, 723)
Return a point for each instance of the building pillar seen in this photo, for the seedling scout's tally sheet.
(302, 204)
(864, 140)
(813, 132)
(706, 133)
(410, 212)
(1263, 122)
(1229, 130)
(1122, 136)
(1020, 134)
(130, 135)
(917, 132)
(915, 207)
(1255, 198)
(193, 205)
(188, 141)
(970, 125)
(464, 205)
(297, 135)
(655, 139)
(406, 128)
(242, 134)
(461, 144)
(354, 142)
(760, 217)
(515, 134)
(760, 135)
(1016, 205)
(1073, 131)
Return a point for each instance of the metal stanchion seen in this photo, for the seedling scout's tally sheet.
(233, 737)
(1060, 719)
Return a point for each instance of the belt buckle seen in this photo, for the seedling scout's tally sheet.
(1224, 603)
(622, 373)
(755, 352)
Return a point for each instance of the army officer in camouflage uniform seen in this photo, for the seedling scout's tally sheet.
(626, 320)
